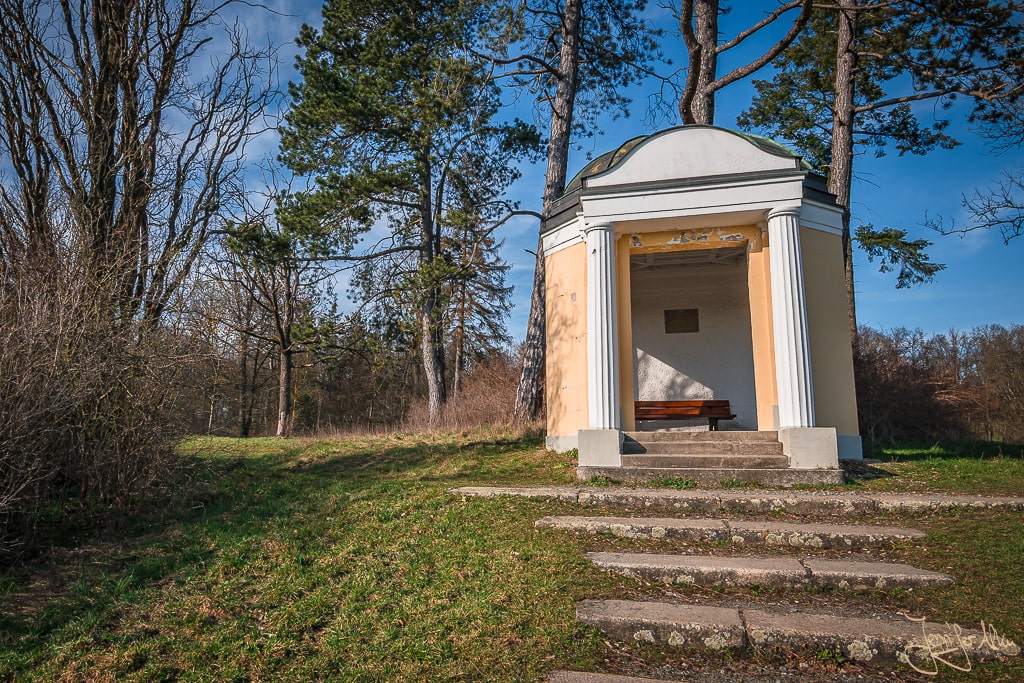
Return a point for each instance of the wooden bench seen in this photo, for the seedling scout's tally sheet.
(713, 411)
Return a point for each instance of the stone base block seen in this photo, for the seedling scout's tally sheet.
(600, 448)
(810, 448)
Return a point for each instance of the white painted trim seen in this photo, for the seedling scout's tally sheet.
(692, 200)
(564, 236)
(820, 216)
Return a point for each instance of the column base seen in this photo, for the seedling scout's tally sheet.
(561, 443)
(600, 447)
(810, 448)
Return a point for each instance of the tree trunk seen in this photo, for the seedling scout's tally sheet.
(284, 393)
(702, 109)
(459, 342)
(840, 175)
(432, 343)
(433, 362)
(213, 408)
(530, 393)
(244, 402)
(698, 24)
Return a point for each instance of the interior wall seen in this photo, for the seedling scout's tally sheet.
(716, 362)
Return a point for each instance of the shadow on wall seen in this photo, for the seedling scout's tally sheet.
(566, 375)
(714, 362)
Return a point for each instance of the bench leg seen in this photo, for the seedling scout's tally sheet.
(713, 424)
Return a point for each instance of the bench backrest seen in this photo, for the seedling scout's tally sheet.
(669, 409)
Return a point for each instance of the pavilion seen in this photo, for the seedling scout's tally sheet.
(698, 263)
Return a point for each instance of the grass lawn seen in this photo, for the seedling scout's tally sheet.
(348, 560)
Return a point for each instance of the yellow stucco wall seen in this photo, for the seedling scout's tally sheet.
(835, 399)
(762, 335)
(566, 359)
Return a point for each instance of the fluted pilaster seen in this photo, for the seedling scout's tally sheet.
(602, 335)
(789, 315)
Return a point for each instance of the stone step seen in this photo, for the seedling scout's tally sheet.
(794, 502)
(705, 461)
(704, 447)
(719, 436)
(714, 476)
(864, 640)
(842, 536)
(776, 572)
(587, 677)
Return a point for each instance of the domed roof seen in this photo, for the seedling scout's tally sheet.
(603, 163)
(610, 159)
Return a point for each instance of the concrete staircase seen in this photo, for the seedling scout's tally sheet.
(708, 458)
(883, 642)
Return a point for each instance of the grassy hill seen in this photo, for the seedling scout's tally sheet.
(348, 560)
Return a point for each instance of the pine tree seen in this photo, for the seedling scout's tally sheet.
(394, 92)
(850, 81)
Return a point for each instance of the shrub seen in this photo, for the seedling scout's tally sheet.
(85, 404)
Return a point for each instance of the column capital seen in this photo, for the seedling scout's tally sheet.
(591, 227)
(784, 211)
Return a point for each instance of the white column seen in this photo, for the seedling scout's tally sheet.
(789, 316)
(602, 336)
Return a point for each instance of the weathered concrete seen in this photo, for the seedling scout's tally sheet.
(711, 476)
(780, 572)
(586, 677)
(600, 447)
(723, 436)
(794, 502)
(655, 622)
(810, 447)
(873, 641)
(563, 493)
(739, 532)
(701, 461)
(776, 572)
(637, 527)
(703, 447)
(672, 500)
(817, 535)
(871, 575)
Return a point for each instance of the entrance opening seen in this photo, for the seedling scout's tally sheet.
(691, 331)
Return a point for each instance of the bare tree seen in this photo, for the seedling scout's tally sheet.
(1001, 205)
(130, 119)
(698, 24)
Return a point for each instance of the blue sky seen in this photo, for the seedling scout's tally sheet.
(983, 279)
